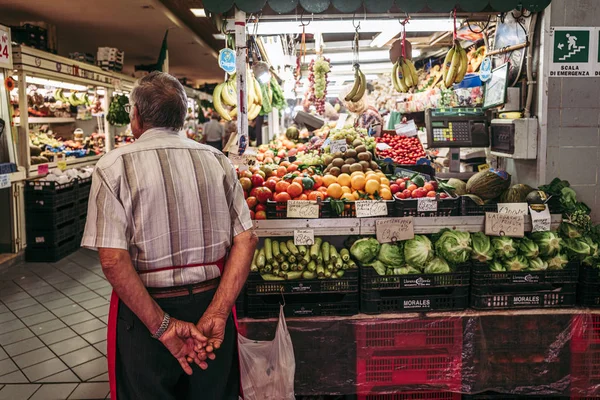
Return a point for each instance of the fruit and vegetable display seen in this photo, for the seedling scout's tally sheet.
(225, 97)
(117, 115)
(400, 149)
(281, 259)
(45, 146)
(59, 176)
(48, 102)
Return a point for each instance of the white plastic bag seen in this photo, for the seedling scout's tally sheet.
(267, 368)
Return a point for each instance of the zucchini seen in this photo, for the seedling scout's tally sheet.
(340, 273)
(339, 264)
(253, 266)
(314, 249)
(305, 259)
(260, 260)
(320, 270)
(312, 266)
(292, 259)
(277, 252)
(294, 275)
(328, 273)
(269, 250)
(309, 275)
(333, 254)
(302, 250)
(345, 254)
(325, 251)
(285, 266)
(292, 247)
(269, 277)
(284, 250)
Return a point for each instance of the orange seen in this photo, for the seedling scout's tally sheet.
(358, 182)
(282, 197)
(292, 168)
(357, 173)
(371, 186)
(281, 171)
(315, 194)
(335, 191)
(295, 190)
(385, 194)
(384, 181)
(318, 181)
(348, 196)
(281, 186)
(343, 180)
(302, 197)
(328, 180)
(322, 189)
(346, 189)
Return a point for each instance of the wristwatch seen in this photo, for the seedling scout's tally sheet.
(163, 326)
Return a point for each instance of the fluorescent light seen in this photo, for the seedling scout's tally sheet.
(219, 36)
(380, 67)
(415, 53)
(377, 55)
(198, 12)
(384, 37)
(55, 84)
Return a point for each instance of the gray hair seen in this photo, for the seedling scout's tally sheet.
(160, 100)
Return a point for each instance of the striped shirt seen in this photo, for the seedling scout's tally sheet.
(170, 202)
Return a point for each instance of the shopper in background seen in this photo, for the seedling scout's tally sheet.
(214, 132)
(173, 231)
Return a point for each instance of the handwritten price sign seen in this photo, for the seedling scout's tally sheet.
(427, 204)
(304, 237)
(504, 225)
(338, 146)
(370, 208)
(394, 229)
(513, 208)
(302, 209)
(540, 218)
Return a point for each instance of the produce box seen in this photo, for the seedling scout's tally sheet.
(503, 396)
(36, 219)
(414, 300)
(420, 395)
(52, 234)
(448, 207)
(371, 280)
(51, 253)
(483, 278)
(470, 208)
(589, 274)
(585, 332)
(256, 285)
(303, 305)
(523, 296)
(588, 294)
(48, 195)
(585, 373)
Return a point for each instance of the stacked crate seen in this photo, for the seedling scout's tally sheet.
(588, 289)
(51, 222)
(585, 357)
(110, 59)
(409, 359)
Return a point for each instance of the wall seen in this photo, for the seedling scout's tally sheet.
(573, 114)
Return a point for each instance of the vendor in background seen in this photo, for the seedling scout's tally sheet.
(214, 132)
(370, 119)
(230, 131)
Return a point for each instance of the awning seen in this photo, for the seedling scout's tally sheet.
(375, 6)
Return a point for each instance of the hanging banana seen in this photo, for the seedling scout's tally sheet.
(225, 97)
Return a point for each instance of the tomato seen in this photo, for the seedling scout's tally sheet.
(260, 215)
(281, 186)
(428, 187)
(271, 183)
(282, 197)
(295, 190)
(251, 202)
(394, 188)
(412, 187)
(444, 196)
(431, 193)
(407, 193)
(257, 180)
(260, 207)
(263, 194)
(246, 183)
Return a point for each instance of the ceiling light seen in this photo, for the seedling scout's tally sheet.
(384, 37)
(198, 12)
(415, 53)
(219, 36)
(54, 84)
(380, 67)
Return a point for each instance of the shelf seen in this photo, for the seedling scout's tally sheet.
(44, 120)
(366, 226)
(18, 176)
(71, 163)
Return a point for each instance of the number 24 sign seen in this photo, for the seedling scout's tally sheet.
(5, 48)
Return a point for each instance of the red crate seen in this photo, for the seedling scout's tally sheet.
(411, 396)
(585, 372)
(401, 370)
(431, 333)
(585, 332)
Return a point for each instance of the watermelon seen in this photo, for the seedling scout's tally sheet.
(488, 184)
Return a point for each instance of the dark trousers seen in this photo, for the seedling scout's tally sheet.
(146, 370)
(217, 145)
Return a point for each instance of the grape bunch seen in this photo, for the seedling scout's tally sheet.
(317, 78)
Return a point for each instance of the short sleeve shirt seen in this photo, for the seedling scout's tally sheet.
(172, 203)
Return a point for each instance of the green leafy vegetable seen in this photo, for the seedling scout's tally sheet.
(558, 262)
(528, 248)
(418, 251)
(548, 242)
(408, 270)
(518, 263)
(378, 266)
(437, 266)
(576, 248)
(454, 246)
(482, 248)
(365, 250)
(569, 230)
(392, 254)
(504, 247)
(496, 266)
(537, 264)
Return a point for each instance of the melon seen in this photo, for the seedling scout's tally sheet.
(488, 184)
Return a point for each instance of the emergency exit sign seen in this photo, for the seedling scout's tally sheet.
(574, 52)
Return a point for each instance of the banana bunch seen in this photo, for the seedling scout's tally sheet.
(225, 95)
(404, 75)
(360, 86)
(455, 65)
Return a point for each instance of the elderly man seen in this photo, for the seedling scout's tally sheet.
(173, 232)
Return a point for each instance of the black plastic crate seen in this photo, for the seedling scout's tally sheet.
(47, 195)
(468, 207)
(588, 294)
(414, 300)
(371, 280)
(347, 284)
(37, 219)
(278, 209)
(82, 207)
(503, 396)
(589, 274)
(240, 304)
(482, 276)
(448, 207)
(303, 305)
(537, 296)
(51, 253)
(84, 186)
(52, 235)
(350, 210)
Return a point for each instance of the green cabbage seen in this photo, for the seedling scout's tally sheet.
(568, 230)
(408, 270)
(378, 266)
(392, 254)
(504, 247)
(482, 248)
(577, 249)
(559, 261)
(593, 246)
(418, 251)
(454, 246)
(365, 250)
(537, 264)
(590, 261)
(496, 266)
(517, 263)
(528, 248)
(549, 243)
(437, 266)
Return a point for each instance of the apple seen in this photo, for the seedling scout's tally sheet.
(254, 192)
(245, 174)
(257, 180)
(260, 215)
(252, 202)
(246, 183)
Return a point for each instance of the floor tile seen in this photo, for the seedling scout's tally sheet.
(11, 326)
(90, 278)
(18, 304)
(101, 346)
(91, 369)
(66, 284)
(23, 346)
(44, 369)
(58, 278)
(26, 312)
(33, 357)
(37, 319)
(41, 290)
(72, 291)
(58, 336)
(7, 316)
(89, 295)
(14, 377)
(47, 327)
(15, 298)
(7, 366)
(105, 291)
(99, 285)
(101, 378)
(104, 319)
(54, 391)
(95, 336)
(54, 304)
(18, 392)
(14, 336)
(100, 311)
(62, 377)
(68, 310)
(3, 354)
(88, 326)
(80, 356)
(3, 308)
(68, 346)
(50, 296)
(90, 391)
(88, 304)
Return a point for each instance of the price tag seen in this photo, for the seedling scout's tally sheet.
(394, 229)
(504, 225)
(4, 181)
(406, 129)
(540, 218)
(238, 161)
(427, 204)
(513, 208)
(5, 48)
(302, 209)
(370, 208)
(341, 121)
(62, 165)
(338, 145)
(304, 237)
(483, 167)
(325, 143)
(42, 169)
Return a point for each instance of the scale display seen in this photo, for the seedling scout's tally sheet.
(457, 127)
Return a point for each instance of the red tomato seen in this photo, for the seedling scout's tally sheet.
(260, 215)
(431, 193)
(246, 183)
(394, 188)
(252, 214)
(263, 194)
(257, 180)
(406, 193)
(252, 202)
(260, 207)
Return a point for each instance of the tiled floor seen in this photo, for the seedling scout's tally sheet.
(53, 330)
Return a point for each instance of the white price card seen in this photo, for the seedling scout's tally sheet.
(338, 146)
(304, 237)
(370, 208)
(341, 121)
(427, 204)
(540, 218)
(4, 181)
(504, 225)
(513, 208)
(5, 48)
(302, 209)
(394, 229)
(408, 128)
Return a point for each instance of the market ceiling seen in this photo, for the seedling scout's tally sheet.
(371, 6)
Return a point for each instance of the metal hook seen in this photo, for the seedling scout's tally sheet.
(282, 297)
(356, 26)
(302, 19)
(406, 19)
